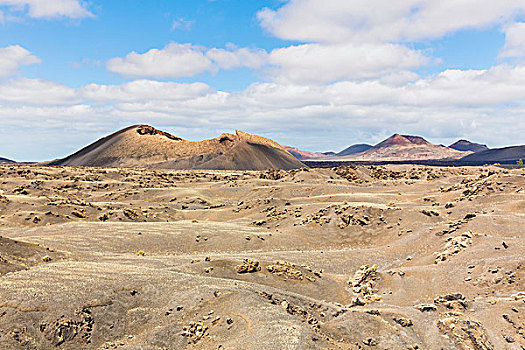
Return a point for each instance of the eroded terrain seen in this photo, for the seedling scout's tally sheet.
(396, 257)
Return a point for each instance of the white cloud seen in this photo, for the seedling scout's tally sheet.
(140, 90)
(181, 23)
(308, 63)
(471, 89)
(235, 57)
(49, 8)
(514, 41)
(344, 40)
(185, 60)
(173, 61)
(498, 87)
(443, 107)
(13, 57)
(322, 63)
(36, 92)
(383, 20)
(351, 80)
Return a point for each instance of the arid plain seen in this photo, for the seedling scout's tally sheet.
(395, 257)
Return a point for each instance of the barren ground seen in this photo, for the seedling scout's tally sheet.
(396, 257)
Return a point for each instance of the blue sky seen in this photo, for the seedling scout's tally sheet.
(119, 27)
(319, 75)
(70, 48)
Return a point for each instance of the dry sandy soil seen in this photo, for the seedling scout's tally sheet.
(368, 258)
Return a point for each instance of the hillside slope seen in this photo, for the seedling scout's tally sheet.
(145, 146)
(6, 161)
(404, 147)
(303, 155)
(465, 145)
(500, 155)
(358, 148)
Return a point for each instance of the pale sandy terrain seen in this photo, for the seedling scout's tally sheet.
(374, 258)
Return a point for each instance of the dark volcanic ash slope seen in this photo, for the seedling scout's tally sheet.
(6, 161)
(358, 148)
(500, 155)
(465, 146)
(145, 146)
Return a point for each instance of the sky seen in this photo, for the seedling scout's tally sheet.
(316, 74)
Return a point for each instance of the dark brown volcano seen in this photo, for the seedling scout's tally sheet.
(465, 146)
(145, 146)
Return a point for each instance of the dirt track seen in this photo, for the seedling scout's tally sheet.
(397, 257)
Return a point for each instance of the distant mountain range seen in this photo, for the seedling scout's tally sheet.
(415, 148)
(406, 147)
(144, 146)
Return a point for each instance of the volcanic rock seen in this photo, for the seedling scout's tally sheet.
(466, 146)
(357, 148)
(6, 161)
(145, 146)
(303, 155)
(496, 155)
(403, 147)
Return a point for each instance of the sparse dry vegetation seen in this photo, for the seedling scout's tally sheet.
(379, 257)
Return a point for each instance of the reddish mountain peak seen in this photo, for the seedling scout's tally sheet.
(402, 140)
(405, 147)
(417, 140)
(394, 140)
